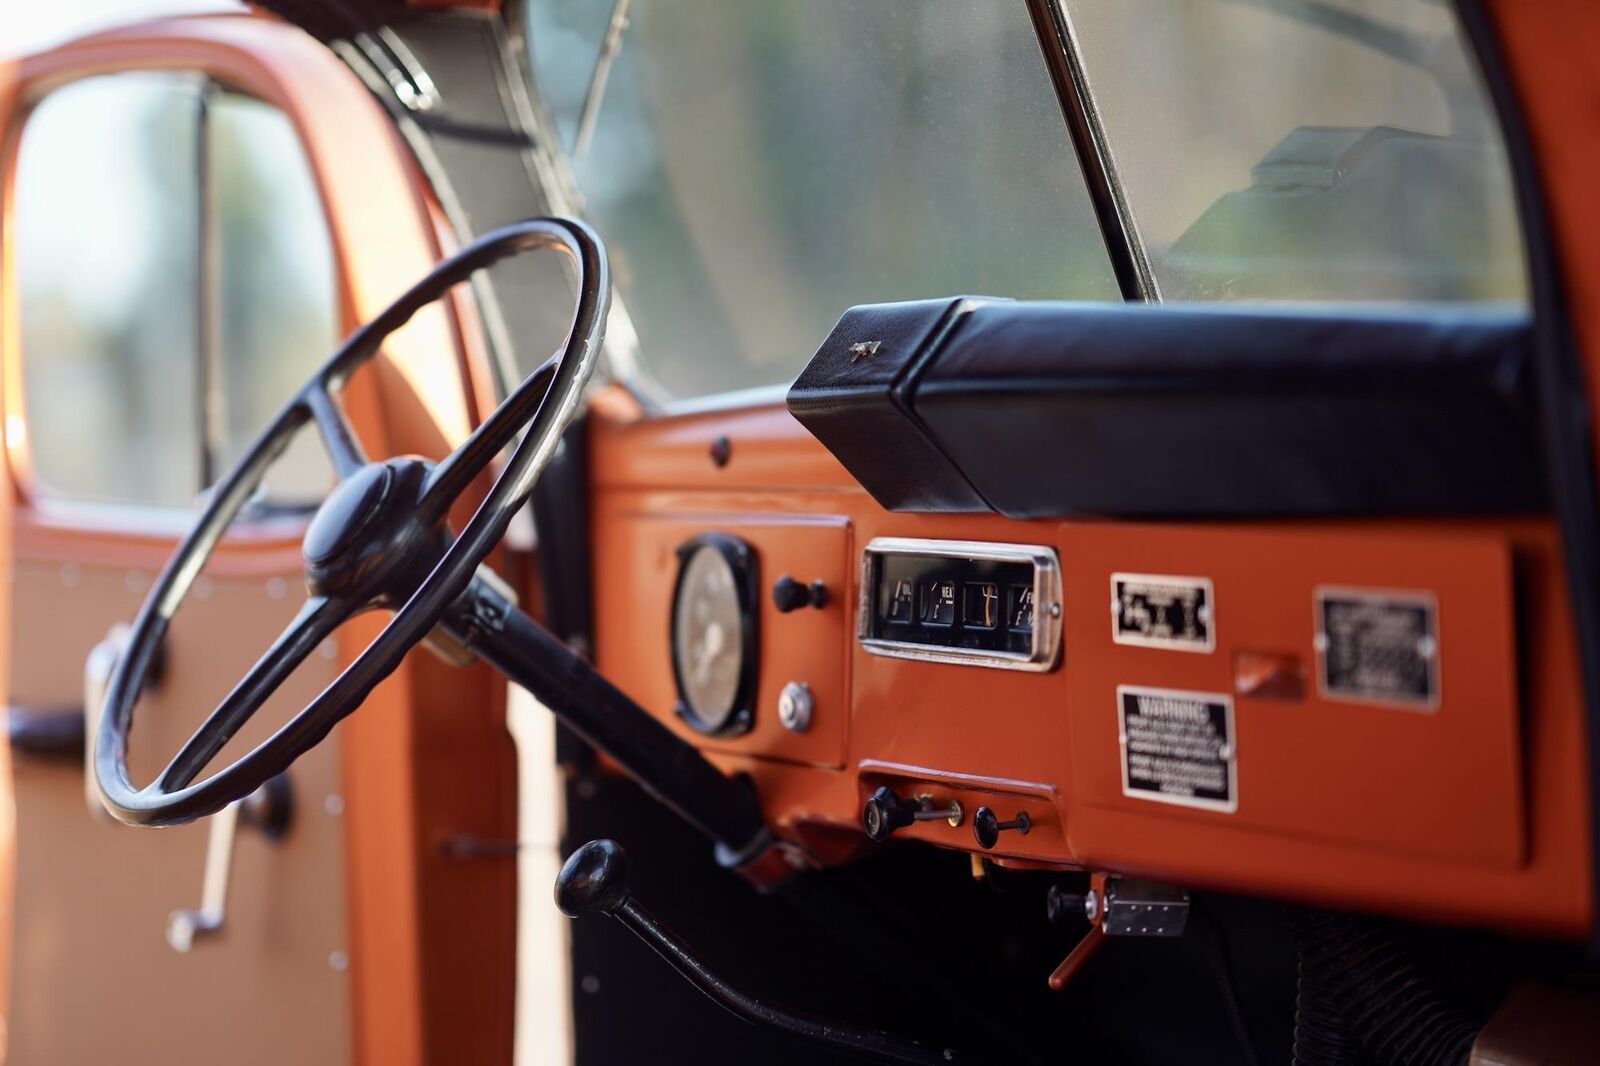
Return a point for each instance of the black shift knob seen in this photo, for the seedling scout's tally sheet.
(595, 877)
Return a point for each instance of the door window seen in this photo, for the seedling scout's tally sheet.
(1303, 149)
(756, 169)
(175, 281)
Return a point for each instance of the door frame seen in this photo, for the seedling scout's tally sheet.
(419, 986)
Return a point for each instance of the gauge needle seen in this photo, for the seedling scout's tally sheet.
(708, 652)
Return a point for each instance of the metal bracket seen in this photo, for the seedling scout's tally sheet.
(1123, 906)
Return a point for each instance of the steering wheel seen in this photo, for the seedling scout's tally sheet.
(379, 540)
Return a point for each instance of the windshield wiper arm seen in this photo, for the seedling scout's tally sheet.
(610, 45)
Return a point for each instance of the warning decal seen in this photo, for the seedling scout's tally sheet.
(1178, 747)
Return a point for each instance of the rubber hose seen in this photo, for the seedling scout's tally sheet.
(1362, 991)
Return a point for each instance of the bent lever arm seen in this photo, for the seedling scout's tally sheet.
(595, 880)
(723, 808)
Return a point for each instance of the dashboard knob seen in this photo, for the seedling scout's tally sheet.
(1067, 908)
(987, 826)
(790, 595)
(886, 811)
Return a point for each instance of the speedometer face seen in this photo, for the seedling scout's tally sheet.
(713, 639)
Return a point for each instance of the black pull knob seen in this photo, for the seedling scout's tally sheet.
(790, 595)
(887, 811)
(987, 826)
(1067, 908)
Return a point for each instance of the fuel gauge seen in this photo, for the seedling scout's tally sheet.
(714, 634)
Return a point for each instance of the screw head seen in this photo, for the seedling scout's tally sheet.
(795, 704)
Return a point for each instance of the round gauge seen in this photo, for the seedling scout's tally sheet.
(714, 634)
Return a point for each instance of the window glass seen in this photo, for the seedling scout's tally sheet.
(756, 169)
(106, 230)
(125, 400)
(1340, 149)
(276, 288)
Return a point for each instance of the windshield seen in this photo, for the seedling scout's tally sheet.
(757, 169)
(1309, 149)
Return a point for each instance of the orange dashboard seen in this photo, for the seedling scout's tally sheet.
(1243, 755)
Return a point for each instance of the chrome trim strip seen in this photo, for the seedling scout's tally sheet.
(1046, 597)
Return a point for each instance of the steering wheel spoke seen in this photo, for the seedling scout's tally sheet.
(315, 622)
(457, 470)
(338, 436)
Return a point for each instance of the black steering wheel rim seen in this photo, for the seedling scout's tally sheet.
(544, 403)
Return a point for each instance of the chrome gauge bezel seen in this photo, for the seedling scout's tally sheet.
(741, 561)
(1046, 642)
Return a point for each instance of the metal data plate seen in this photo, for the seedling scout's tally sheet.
(961, 601)
(1163, 611)
(1378, 646)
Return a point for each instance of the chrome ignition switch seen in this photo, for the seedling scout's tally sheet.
(795, 704)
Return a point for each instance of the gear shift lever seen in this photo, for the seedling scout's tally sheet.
(595, 879)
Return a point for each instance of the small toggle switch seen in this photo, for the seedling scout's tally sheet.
(886, 812)
(790, 595)
(987, 826)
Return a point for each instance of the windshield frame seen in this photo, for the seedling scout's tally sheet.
(1119, 232)
(622, 362)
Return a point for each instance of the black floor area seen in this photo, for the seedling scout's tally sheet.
(959, 961)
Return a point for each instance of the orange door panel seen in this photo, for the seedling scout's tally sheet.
(93, 898)
(394, 947)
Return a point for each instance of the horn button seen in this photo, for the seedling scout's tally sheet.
(364, 544)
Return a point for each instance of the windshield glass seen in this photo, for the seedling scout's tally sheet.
(757, 169)
(1312, 149)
